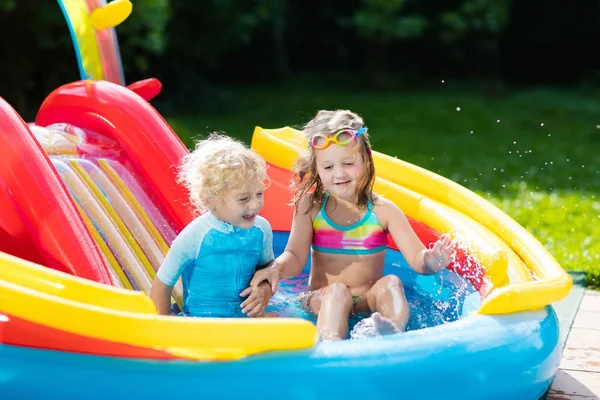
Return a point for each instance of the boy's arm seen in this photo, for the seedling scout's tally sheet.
(257, 301)
(266, 255)
(161, 296)
(183, 251)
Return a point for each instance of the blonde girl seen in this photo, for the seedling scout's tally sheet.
(344, 226)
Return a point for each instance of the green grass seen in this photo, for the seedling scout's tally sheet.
(533, 153)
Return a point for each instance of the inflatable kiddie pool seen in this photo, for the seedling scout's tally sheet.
(472, 330)
(89, 207)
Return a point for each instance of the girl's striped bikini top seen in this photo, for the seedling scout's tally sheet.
(366, 236)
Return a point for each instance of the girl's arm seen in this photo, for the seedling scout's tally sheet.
(422, 260)
(161, 296)
(292, 260)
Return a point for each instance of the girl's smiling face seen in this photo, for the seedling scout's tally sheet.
(340, 169)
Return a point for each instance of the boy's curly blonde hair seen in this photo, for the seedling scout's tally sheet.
(217, 165)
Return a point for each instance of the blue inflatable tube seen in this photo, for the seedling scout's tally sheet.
(461, 355)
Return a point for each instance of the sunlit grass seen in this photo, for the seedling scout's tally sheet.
(535, 154)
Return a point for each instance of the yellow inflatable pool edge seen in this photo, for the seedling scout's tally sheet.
(512, 273)
(61, 301)
(46, 280)
(526, 296)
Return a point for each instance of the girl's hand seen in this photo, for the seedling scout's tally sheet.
(438, 257)
(256, 303)
(269, 274)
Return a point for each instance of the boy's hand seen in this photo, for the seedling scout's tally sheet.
(438, 258)
(256, 303)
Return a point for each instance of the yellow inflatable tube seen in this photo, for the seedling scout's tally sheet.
(61, 301)
(280, 147)
(46, 280)
(445, 219)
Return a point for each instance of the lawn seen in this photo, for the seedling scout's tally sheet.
(534, 153)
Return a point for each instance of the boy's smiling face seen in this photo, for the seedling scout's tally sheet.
(241, 205)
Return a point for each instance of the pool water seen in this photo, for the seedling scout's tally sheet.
(433, 299)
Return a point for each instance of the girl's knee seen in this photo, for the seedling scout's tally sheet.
(391, 282)
(339, 293)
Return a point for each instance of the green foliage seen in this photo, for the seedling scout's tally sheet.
(212, 29)
(455, 34)
(7, 5)
(477, 16)
(35, 48)
(383, 20)
(545, 176)
(142, 35)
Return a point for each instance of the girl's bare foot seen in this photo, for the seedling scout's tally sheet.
(383, 326)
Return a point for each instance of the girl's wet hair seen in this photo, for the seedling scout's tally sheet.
(306, 179)
(216, 165)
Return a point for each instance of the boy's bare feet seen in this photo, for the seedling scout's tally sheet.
(383, 326)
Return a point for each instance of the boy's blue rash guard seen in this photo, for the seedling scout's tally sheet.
(216, 261)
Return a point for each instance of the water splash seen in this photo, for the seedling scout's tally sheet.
(432, 300)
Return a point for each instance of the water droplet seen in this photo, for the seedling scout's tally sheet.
(514, 142)
(457, 108)
(471, 132)
(549, 135)
(442, 81)
(542, 124)
(498, 121)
